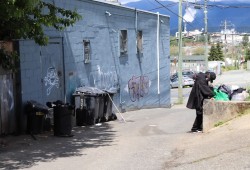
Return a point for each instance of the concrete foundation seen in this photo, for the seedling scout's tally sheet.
(216, 112)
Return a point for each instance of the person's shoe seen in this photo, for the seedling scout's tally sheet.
(196, 131)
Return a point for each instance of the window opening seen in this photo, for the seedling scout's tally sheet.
(139, 42)
(123, 42)
(86, 46)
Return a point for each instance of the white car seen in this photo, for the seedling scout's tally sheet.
(186, 81)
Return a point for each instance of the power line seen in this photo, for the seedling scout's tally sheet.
(173, 12)
(197, 21)
(152, 4)
(169, 5)
(219, 6)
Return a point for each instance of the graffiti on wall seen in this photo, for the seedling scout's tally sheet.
(7, 115)
(104, 79)
(138, 87)
(51, 79)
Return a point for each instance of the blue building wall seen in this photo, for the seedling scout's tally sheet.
(106, 69)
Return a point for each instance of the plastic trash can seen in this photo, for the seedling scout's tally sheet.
(89, 104)
(62, 119)
(107, 110)
(36, 113)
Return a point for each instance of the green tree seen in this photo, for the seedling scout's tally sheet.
(173, 41)
(216, 53)
(212, 54)
(27, 18)
(245, 40)
(247, 55)
(219, 52)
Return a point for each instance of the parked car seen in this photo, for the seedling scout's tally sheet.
(188, 73)
(186, 81)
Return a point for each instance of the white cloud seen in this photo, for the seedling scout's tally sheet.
(189, 14)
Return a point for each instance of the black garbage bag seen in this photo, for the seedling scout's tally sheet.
(224, 88)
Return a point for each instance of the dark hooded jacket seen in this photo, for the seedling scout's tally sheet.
(199, 92)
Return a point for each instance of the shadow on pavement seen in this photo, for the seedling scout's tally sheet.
(24, 152)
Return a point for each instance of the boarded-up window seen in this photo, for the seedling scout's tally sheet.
(139, 42)
(86, 47)
(123, 42)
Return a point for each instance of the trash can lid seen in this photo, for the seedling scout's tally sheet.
(37, 106)
(111, 90)
(88, 91)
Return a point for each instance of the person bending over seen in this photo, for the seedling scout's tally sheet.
(200, 91)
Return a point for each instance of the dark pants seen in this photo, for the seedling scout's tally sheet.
(198, 120)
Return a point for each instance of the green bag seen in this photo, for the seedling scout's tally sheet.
(220, 96)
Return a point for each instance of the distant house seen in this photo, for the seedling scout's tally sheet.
(196, 64)
(112, 47)
(230, 37)
(193, 63)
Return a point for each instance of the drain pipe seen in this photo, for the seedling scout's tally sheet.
(158, 51)
(64, 76)
(136, 21)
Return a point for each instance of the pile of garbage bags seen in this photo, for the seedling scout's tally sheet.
(230, 93)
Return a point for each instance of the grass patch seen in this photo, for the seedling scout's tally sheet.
(228, 68)
(247, 111)
(218, 124)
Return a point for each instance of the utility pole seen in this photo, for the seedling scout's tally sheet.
(227, 27)
(225, 32)
(180, 95)
(206, 36)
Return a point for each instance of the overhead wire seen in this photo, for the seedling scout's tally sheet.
(168, 5)
(171, 5)
(195, 21)
(152, 4)
(160, 7)
(173, 12)
(220, 6)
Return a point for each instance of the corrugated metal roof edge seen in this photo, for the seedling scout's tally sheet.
(120, 6)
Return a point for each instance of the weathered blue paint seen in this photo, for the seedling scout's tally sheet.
(7, 104)
(106, 68)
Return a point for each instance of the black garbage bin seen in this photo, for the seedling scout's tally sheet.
(89, 105)
(35, 117)
(101, 97)
(62, 119)
(80, 109)
(107, 110)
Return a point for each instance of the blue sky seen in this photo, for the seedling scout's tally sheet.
(246, 1)
(237, 16)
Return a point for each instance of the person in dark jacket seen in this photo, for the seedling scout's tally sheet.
(200, 91)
